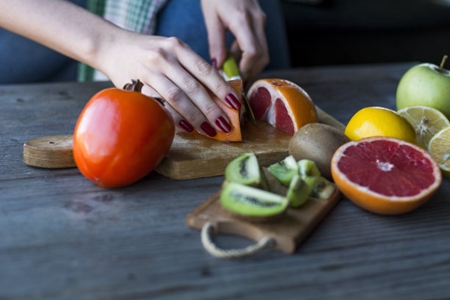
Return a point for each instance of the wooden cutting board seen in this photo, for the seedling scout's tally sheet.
(191, 155)
(196, 156)
(288, 232)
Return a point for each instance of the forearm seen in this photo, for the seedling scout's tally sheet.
(60, 25)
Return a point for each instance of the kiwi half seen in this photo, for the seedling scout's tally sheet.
(245, 169)
(251, 202)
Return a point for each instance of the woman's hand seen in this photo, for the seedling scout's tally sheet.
(246, 21)
(170, 70)
(167, 66)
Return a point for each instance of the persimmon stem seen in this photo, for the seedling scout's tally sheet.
(444, 59)
(135, 86)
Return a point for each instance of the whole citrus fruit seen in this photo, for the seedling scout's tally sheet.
(385, 175)
(281, 103)
(379, 121)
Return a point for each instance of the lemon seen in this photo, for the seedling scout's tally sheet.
(439, 148)
(379, 121)
(426, 121)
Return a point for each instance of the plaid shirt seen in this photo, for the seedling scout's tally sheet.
(134, 15)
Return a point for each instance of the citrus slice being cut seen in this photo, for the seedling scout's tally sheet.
(282, 104)
(379, 121)
(385, 175)
(426, 121)
(439, 148)
(235, 116)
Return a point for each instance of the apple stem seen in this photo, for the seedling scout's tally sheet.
(444, 59)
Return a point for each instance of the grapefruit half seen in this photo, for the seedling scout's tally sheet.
(282, 104)
(385, 175)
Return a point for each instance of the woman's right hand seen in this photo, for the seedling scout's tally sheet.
(171, 70)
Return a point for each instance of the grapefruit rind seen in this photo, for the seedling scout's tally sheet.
(377, 202)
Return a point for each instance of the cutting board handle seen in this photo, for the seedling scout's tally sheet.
(209, 245)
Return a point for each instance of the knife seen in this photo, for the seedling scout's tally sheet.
(230, 71)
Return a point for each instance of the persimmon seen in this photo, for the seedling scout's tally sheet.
(121, 136)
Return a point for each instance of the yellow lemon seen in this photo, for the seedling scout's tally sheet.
(439, 148)
(379, 121)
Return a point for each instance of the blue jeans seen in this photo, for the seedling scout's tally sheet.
(193, 29)
(24, 61)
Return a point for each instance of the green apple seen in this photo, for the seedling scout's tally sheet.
(425, 84)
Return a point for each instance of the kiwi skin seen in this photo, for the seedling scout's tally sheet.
(317, 142)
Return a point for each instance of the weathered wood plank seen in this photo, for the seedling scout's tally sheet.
(62, 237)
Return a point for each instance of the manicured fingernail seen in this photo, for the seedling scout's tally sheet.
(214, 63)
(208, 129)
(223, 124)
(233, 101)
(186, 125)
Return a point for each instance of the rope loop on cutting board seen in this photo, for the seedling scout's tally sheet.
(209, 245)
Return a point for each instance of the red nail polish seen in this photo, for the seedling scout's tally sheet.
(233, 101)
(208, 129)
(223, 124)
(186, 125)
(214, 63)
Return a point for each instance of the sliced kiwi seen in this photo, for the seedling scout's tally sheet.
(323, 189)
(298, 191)
(308, 167)
(245, 169)
(274, 185)
(320, 187)
(284, 170)
(251, 202)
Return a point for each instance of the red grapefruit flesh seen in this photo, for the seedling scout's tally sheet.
(385, 175)
(282, 104)
(260, 102)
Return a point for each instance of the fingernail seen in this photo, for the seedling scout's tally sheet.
(233, 101)
(186, 125)
(214, 63)
(223, 124)
(208, 129)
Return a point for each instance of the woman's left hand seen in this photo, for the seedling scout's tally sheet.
(246, 21)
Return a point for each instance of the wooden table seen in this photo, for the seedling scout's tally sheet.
(62, 237)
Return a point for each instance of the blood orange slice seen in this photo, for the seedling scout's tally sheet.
(281, 103)
(385, 175)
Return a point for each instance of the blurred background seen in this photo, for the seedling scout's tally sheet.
(319, 32)
(331, 32)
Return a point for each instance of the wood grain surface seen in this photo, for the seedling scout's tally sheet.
(288, 232)
(63, 237)
(190, 156)
(196, 156)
